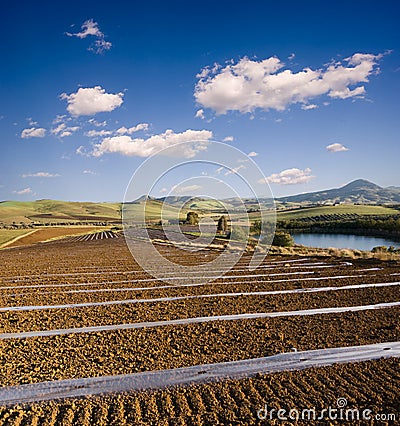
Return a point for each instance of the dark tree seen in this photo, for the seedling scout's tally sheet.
(222, 224)
(192, 218)
(283, 239)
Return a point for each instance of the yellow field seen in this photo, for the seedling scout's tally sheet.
(9, 234)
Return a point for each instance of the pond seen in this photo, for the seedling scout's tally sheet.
(355, 242)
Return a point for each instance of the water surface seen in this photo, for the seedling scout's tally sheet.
(355, 242)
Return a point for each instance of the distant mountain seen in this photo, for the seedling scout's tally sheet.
(141, 199)
(359, 191)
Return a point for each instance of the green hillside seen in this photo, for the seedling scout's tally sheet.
(56, 211)
(154, 211)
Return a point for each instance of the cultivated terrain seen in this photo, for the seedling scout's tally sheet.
(54, 293)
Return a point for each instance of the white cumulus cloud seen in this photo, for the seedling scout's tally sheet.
(23, 191)
(252, 154)
(62, 130)
(41, 175)
(33, 132)
(128, 131)
(336, 147)
(98, 133)
(91, 100)
(200, 114)
(228, 139)
(310, 106)
(197, 140)
(290, 177)
(249, 84)
(91, 28)
(100, 46)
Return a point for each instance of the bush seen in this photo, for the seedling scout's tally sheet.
(256, 227)
(283, 239)
(192, 218)
(266, 227)
(380, 249)
(238, 233)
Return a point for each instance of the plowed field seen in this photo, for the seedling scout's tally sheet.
(67, 287)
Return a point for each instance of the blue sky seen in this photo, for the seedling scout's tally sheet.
(91, 89)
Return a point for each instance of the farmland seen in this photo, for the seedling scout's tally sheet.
(22, 237)
(59, 212)
(339, 210)
(81, 308)
(7, 235)
(53, 210)
(43, 211)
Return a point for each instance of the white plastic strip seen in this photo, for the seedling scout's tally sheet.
(195, 320)
(268, 266)
(206, 373)
(197, 296)
(163, 286)
(113, 272)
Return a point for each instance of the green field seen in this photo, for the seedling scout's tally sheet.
(154, 211)
(56, 211)
(9, 234)
(339, 209)
(206, 205)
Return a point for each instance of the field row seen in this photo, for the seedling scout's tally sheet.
(137, 313)
(43, 234)
(36, 359)
(371, 385)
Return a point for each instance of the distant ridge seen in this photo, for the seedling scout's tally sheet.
(358, 191)
(142, 199)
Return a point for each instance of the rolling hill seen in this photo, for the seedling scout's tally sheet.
(54, 211)
(356, 192)
(57, 211)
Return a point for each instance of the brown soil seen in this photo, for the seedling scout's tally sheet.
(44, 234)
(100, 264)
(369, 385)
(128, 351)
